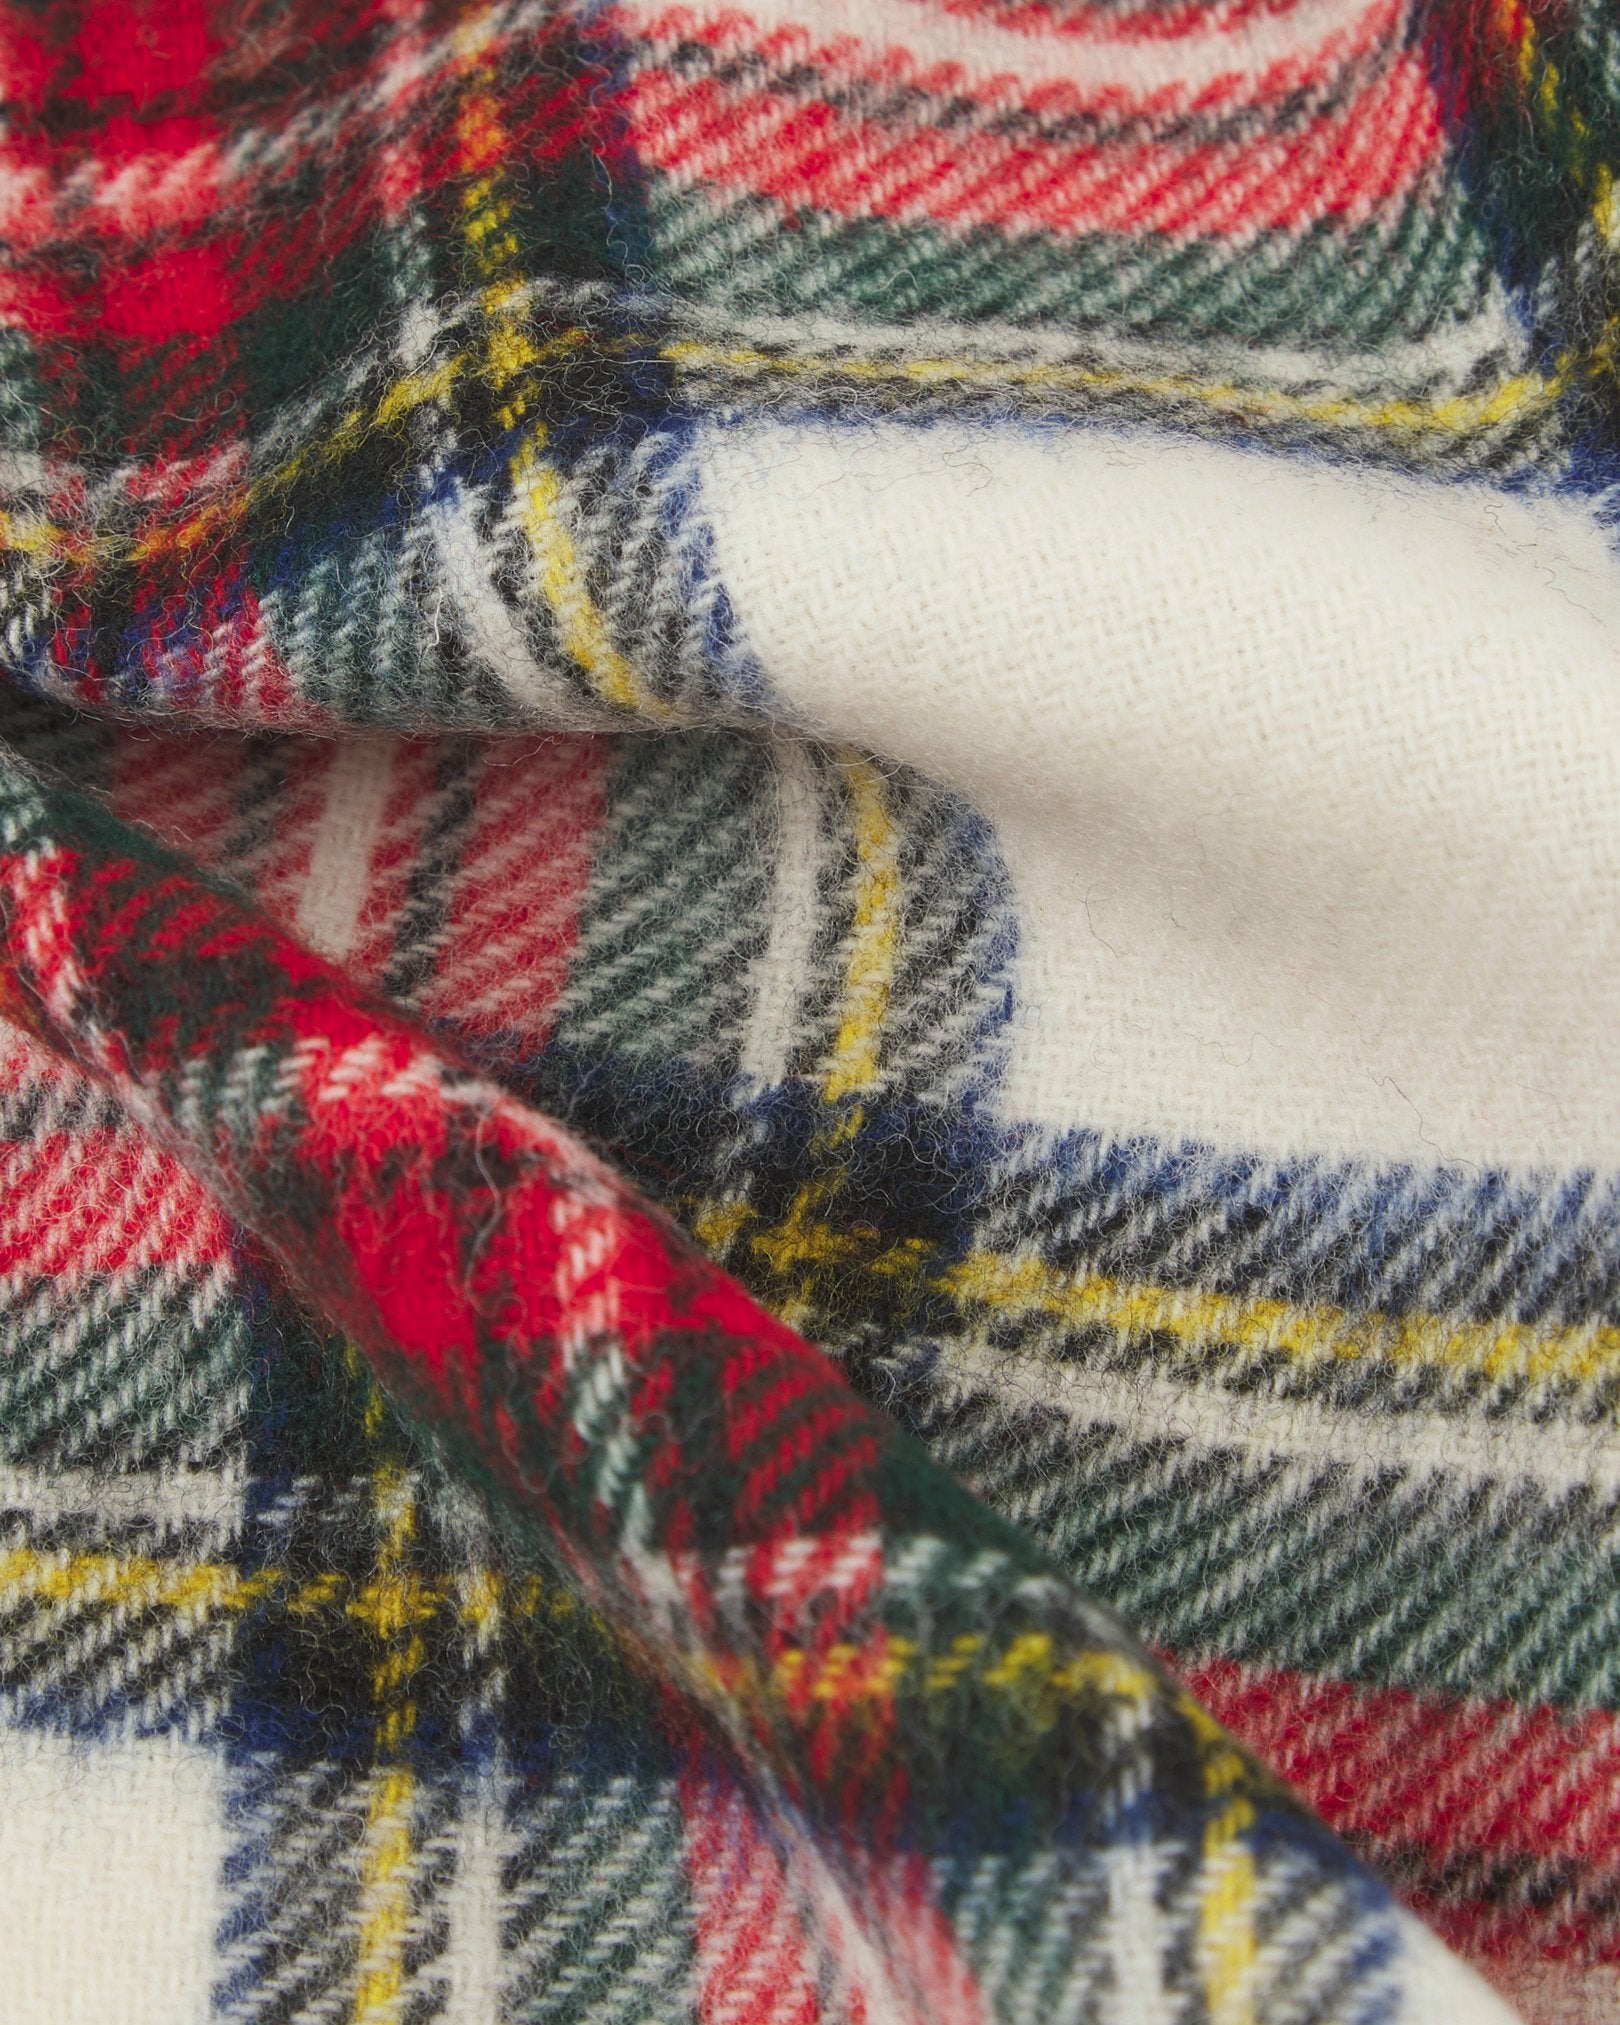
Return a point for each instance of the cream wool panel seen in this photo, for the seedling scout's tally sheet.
(1437, 1989)
(112, 1854)
(1308, 781)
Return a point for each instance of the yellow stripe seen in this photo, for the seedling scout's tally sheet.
(511, 357)
(716, 1225)
(1226, 1884)
(1226, 1915)
(1605, 212)
(137, 1582)
(1029, 1670)
(140, 1582)
(478, 1596)
(44, 540)
(562, 579)
(385, 1897)
(1582, 1355)
(126, 1581)
(1594, 177)
(509, 349)
(1455, 415)
(395, 1605)
(804, 1239)
(876, 941)
(1014, 1287)
(211, 522)
(386, 1606)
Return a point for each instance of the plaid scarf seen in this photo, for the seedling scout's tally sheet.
(808, 826)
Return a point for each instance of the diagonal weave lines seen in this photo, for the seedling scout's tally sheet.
(803, 1574)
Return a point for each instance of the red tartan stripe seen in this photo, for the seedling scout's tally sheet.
(512, 922)
(1423, 1772)
(885, 44)
(132, 179)
(181, 291)
(1103, 21)
(194, 229)
(77, 1205)
(222, 666)
(278, 873)
(812, 155)
(755, 1964)
(191, 791)
(510, 894)
(139, 50)
(760, 1892)
(344, 1064)
(392, 856)
(113, 59)
(188, 790)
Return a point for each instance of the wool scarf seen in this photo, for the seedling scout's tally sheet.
(809, 932)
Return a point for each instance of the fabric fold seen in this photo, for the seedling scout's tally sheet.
(932, 678)
(902, 1674)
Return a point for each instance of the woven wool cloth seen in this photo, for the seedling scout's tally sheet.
(809, 1091)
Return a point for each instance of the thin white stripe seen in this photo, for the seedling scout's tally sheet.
(473, 1907)
(783, 970)
(493, 632)
(1307, 35)
(356, 797)
(166, 1498)
(1135, 1945)
(1492, 328)
(1556, 1454)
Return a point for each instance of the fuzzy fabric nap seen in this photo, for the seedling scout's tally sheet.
(809, 1121)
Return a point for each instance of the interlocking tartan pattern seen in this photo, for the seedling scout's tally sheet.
(323, 323)
(835, 1613)
(465, 1037)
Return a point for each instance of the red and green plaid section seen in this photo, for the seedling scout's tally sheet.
(958, 1757)
(1335, 1437)
(349, 357)
(351, 366)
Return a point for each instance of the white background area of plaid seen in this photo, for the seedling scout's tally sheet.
(1306, 779)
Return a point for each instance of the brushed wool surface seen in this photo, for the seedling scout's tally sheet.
(809, 1205)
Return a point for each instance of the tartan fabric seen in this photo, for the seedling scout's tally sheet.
(467, 1031)
(321, 325)
(822, 1604)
